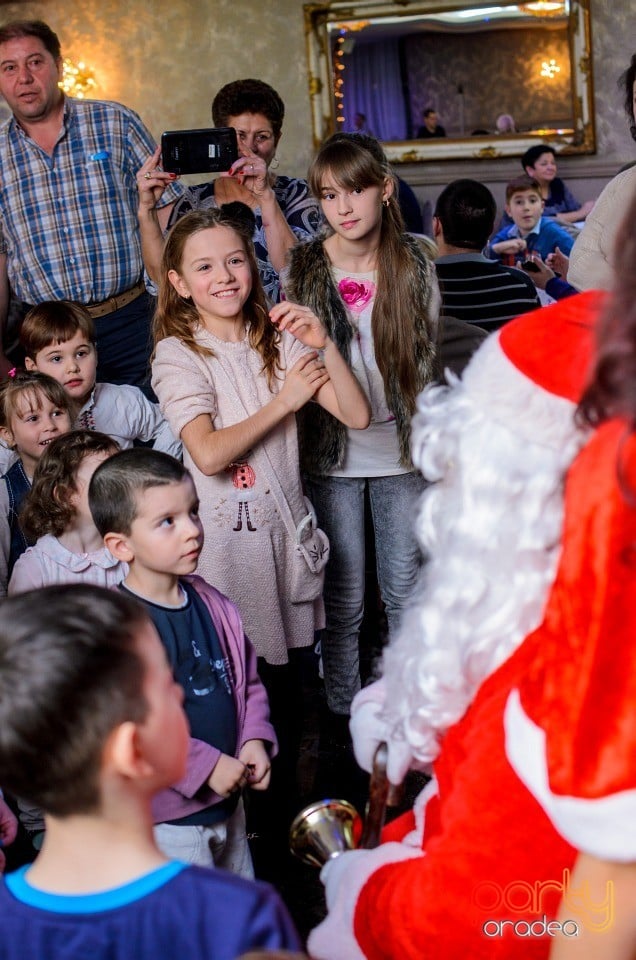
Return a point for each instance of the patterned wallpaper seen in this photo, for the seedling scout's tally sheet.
(488, 73)
(613, 42)
(167, 58)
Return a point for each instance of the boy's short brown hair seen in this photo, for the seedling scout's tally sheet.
(119, 483)
(54, 321)
(70, 673)
(519, 184)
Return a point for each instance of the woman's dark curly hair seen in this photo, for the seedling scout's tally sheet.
(248, 96)
(47, 508)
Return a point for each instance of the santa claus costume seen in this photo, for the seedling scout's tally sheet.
(541, 763)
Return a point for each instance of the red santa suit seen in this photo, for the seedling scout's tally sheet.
(541, 765)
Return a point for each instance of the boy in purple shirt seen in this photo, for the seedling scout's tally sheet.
(91, 727)
(146, 508)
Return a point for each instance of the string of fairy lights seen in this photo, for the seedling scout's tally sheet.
(338, 80)
(353, 26)
(537, 8)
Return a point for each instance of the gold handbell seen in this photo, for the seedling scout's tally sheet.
(323, 830)
(328, 828)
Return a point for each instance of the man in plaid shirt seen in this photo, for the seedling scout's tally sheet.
(68, 202)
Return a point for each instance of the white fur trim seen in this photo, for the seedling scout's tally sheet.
(368, 729)
(416, 837)
(344, 877)
(514, 400)
(604, 828)
(491, 526)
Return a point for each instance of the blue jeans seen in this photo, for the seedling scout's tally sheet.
(339, 504)
(124, 343)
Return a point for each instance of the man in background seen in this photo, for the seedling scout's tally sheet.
(473, 288)
(68, 202)
(430, 126)
(360, 124)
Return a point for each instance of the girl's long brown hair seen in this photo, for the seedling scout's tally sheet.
(177, 317)
(358, 161)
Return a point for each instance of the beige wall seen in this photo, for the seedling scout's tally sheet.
(166, 58)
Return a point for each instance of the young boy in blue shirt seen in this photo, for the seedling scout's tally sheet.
(530, 232)
(91, 727)
(146, 508)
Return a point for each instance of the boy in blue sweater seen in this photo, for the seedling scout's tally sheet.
(530, 232)
(91, 727)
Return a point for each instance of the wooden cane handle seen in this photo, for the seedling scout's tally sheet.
(378, 796)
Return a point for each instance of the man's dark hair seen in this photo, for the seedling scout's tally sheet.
(116, 485)
(69, 675)
(532, 154)
(466, 210)
(428, 111)
(16, 29)
(248, 96)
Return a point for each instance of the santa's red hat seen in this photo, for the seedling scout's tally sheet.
(536, 365)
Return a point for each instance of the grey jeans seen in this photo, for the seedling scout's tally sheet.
(221, 845)
(339, 504)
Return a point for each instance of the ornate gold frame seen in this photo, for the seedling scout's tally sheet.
(582, 140)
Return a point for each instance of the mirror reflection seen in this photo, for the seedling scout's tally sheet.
(435, 79)
(451, 75)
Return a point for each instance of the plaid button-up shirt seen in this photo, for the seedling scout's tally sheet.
(68, 222)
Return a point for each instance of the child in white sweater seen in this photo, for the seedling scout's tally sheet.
(58, 338)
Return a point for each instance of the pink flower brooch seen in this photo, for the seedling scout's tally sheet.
(356, 293)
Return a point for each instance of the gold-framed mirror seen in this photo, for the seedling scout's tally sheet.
(377, 66)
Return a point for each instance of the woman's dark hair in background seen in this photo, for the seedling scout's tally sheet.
(626, 83)
(533, 153)
(248, 96)
(612, 391)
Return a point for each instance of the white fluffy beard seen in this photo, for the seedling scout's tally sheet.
(497, 449)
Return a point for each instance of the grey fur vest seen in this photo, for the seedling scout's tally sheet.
(323, 438)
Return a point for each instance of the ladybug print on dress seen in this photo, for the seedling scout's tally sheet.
(243, 478)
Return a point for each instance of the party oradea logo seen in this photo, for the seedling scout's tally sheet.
(525, 910)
